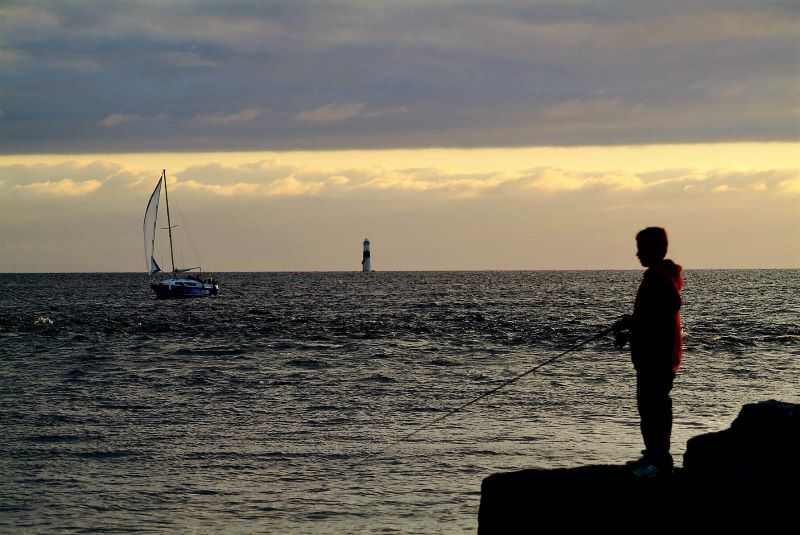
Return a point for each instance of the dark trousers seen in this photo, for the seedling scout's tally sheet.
(655, 410)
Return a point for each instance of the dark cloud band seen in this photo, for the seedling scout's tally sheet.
(80, 77)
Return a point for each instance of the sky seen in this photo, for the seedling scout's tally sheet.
(455, 134)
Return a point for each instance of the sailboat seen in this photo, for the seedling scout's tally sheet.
(180, 282)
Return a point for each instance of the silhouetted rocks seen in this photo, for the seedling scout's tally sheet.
(743, 478)
(763, 439)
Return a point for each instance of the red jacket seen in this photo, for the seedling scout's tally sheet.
(656, 338)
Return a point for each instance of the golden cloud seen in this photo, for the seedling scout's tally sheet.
(285, 175)
(792, 185)
(560, 180)
(64, 187)
(374, 180)
(291, 186)
(224, 190)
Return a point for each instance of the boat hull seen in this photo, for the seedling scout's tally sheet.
(183, 288)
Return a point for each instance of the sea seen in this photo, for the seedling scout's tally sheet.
(279, 405)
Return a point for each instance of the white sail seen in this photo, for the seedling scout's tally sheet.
(150, 217)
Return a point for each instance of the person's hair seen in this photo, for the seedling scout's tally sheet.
(653, 239)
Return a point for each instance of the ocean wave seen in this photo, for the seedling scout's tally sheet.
(307, 364)
(105, 454)
(786, 339)
(735, 340)
(56, 438)
(443, 362)
(210, 351)
(379, 378)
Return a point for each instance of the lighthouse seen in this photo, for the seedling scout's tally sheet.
(366, 263)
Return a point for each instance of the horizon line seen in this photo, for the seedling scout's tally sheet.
(467, 270)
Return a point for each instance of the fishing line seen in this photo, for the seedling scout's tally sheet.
(493, 390)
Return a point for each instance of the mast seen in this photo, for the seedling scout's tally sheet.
(169, 223)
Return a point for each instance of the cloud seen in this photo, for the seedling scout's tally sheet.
(272, 179)
(430, 182)
(72, 179)
(457, 74)
(120, 118)
(338, 180)
(116, 119)
(279, 179)
(224, 190)
(223, 119)
(791, 185)
(338, 113)
(479, 206)
(285, 186)
(64, 187)
(188, 59)
(10, 56)
(332, 113)
(81, 65)
(583, 108)
(291, 186)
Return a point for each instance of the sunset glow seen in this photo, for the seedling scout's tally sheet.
(457, 134)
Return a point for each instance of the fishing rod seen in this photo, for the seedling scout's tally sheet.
(492, 391)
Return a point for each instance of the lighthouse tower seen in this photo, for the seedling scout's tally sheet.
(366, 263)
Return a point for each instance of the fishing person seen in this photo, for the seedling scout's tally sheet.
(654, 331)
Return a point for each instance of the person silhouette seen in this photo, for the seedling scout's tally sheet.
(656, 342)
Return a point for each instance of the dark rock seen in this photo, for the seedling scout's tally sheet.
(764, 439)
(744, 478)
(552, 501)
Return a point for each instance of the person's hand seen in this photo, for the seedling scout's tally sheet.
(621, 338)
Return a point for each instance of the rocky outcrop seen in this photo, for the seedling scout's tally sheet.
(743, 478)
(763, 439)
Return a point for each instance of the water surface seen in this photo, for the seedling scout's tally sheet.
(255, 411)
